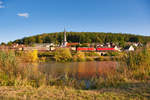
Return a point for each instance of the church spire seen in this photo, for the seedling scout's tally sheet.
(65, 39)
(64, 42)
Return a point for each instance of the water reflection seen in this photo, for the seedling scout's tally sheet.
(78, 69)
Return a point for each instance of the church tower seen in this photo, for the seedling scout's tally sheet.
(64, 43)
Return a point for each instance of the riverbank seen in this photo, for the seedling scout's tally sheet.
(133, 91)
(65, 55)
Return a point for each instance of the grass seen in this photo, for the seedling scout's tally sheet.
(134, 91)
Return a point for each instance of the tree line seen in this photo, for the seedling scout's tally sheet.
(83, 37)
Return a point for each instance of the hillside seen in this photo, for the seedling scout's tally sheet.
(84, 37)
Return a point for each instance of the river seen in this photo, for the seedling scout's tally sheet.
(78, 69)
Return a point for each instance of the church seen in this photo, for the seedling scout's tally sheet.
(64, 42)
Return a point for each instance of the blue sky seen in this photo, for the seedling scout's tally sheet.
(20, 18)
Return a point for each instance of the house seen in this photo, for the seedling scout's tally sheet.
(19, 47)
(42, 45)
(99, 45)
(14, 45)
(129, 48)
(108, 45)
(36, 48)
(135, 44)
(117, 48)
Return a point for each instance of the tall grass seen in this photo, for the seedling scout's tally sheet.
(13, 71)
(138, 64)
(8, 63)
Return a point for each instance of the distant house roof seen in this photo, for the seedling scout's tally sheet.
(129, 48)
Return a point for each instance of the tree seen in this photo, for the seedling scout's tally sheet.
(38, 39)
(3, 43)
(84, 37)
(9, 43)
(134, 39)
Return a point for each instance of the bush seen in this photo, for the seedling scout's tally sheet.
(45, 54)
(79, 56)
(63, 55)
(89, 58)
(113, 53)
(42, 59)
(30, 56)
(92, 54)
(100, 58)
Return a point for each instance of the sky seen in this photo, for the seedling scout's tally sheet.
(22, 18)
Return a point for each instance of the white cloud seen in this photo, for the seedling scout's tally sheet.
(26, 15)
(1, 2)
(1, 6)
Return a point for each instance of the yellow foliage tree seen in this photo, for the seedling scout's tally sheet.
(31, 56)
(63, 55)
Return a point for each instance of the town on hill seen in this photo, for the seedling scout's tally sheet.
(79, 41)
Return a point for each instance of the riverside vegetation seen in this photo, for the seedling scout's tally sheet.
(21, 80)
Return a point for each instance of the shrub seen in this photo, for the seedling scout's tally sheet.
(92, 54)
(113, 53)
(89, 58)
(45, 54)
(79, 56)
(30, 56)
(100, 58)
(63, 55)
(42, 59)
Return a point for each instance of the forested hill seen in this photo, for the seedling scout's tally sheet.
(84, 37)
